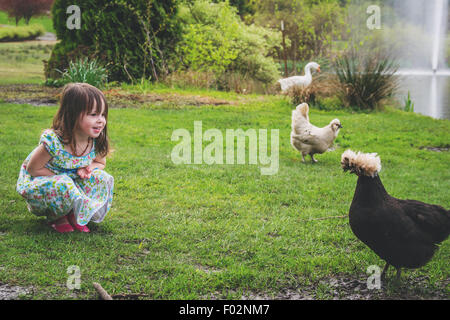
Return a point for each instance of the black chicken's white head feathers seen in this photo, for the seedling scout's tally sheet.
(367, 164)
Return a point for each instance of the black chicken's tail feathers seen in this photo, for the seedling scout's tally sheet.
(366, 164)
(432, 219)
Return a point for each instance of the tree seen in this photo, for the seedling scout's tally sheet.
(244, 7)
(310, 25)
(25, 8)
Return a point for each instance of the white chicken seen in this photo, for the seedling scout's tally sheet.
(302, 81)
(309, 139)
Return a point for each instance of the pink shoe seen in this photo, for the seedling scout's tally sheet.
(62, 228)
(81, 228)
(76, 225)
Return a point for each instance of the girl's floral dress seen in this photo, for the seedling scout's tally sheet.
(55, 196)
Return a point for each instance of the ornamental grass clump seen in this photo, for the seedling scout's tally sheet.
(83, 70)
(364, 81)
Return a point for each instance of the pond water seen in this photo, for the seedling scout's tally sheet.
(430, 92)
(416, 34)
(423, 49)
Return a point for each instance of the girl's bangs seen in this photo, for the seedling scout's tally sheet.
(97, 99)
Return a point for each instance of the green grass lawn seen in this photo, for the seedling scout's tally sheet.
(21, 62)
(192, 231)
(45, 21)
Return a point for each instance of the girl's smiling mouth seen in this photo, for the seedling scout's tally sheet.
(97, 129)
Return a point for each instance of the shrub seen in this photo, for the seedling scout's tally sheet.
(329, 103)
(21, 33)
(364, 81)
(244, 7)
(134, 39)
(191, 79)
(243, 83)
(299, 94)
(206, 48)
(254, 58)
(216, 39)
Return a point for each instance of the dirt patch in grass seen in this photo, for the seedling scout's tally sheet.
(9, 292)
(342, 287)
(436, 149)
(29, 92)
(339, 287)
(121, 99)
(35, 102)
(207, 269)
(38, 95)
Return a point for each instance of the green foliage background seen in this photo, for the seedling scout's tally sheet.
(21, 33)
(151, 39)
(216, 39)
(311, 26)
(133, 38)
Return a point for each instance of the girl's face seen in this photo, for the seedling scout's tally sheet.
(91, 124)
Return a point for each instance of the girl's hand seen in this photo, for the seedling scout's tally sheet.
(84, 173)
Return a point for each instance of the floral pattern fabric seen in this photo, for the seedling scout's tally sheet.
(55, 196)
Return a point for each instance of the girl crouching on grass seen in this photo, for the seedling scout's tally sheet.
(63, 178)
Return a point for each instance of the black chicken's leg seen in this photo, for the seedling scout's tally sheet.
(383, 274)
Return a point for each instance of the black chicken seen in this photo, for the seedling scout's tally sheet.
(404, 233)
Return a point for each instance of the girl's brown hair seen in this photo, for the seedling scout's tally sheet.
(77, 100)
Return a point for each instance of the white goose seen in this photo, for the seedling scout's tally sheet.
(302, 81)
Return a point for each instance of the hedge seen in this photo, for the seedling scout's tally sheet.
(12, 33)
(133, 39)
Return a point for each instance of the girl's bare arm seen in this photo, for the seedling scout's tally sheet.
(36, 164)
(99, 163)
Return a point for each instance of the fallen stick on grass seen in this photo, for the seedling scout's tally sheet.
(103, 294)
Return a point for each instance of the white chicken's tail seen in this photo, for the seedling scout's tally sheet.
(303, 108)
(367, 164)
(300, 116)
(301, 113)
